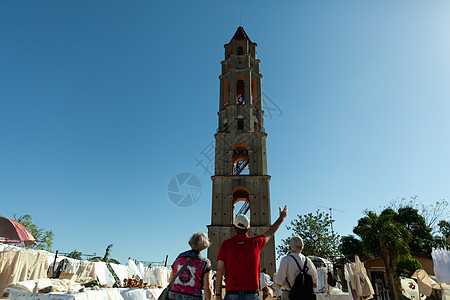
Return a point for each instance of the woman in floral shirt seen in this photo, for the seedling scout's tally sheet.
(196, 276)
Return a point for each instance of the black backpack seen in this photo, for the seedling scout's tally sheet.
(302, 289)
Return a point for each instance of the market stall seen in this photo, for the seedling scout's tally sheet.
(27, 273)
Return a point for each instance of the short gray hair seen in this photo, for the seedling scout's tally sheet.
(296, 244)
(199, 241)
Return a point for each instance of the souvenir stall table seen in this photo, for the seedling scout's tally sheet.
(102, 294)
(28, 274)
(74, 277)
(138, 294)
(112, 294)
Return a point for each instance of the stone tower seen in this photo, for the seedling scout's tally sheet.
(240, 183)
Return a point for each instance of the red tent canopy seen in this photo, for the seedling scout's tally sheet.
(14, 232)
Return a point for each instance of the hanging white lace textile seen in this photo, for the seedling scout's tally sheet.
(441, 264)
(86, 270)
(71, 266)
(349, 274)
(141, 269)
(19, 264)
(162, 277)
(121, 271)
(133, 270)
(104, 276)
(150, 276)
(322, 279)
(83, 268)
(359, 283)
(156, 276)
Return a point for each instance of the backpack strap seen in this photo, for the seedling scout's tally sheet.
(303, 271)
(305, 267)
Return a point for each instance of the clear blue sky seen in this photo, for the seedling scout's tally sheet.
(103, 102)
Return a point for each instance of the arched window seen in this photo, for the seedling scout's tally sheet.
(241, 201)
(240, 88)
(240, 159)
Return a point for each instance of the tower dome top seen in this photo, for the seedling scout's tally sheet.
(241, 34)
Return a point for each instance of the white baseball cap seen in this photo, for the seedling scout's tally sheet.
(241, 221)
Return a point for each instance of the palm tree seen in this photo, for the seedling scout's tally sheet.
(106, 258)
(381, 234)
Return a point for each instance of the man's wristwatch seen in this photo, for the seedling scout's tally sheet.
(219, 295)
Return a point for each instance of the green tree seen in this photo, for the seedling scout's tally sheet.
(75, 254)
(318, 237)
(43, 237)
(444, 228)
(443, 240)
(350, 245)
(423, 239)
(382, 235)
(107, 257)
(406, 266)
(432, 213)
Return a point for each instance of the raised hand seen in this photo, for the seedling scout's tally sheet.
(283, 213)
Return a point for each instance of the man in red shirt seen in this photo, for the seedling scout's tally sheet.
(239, 259)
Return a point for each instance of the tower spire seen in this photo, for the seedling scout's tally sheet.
(240, 35)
